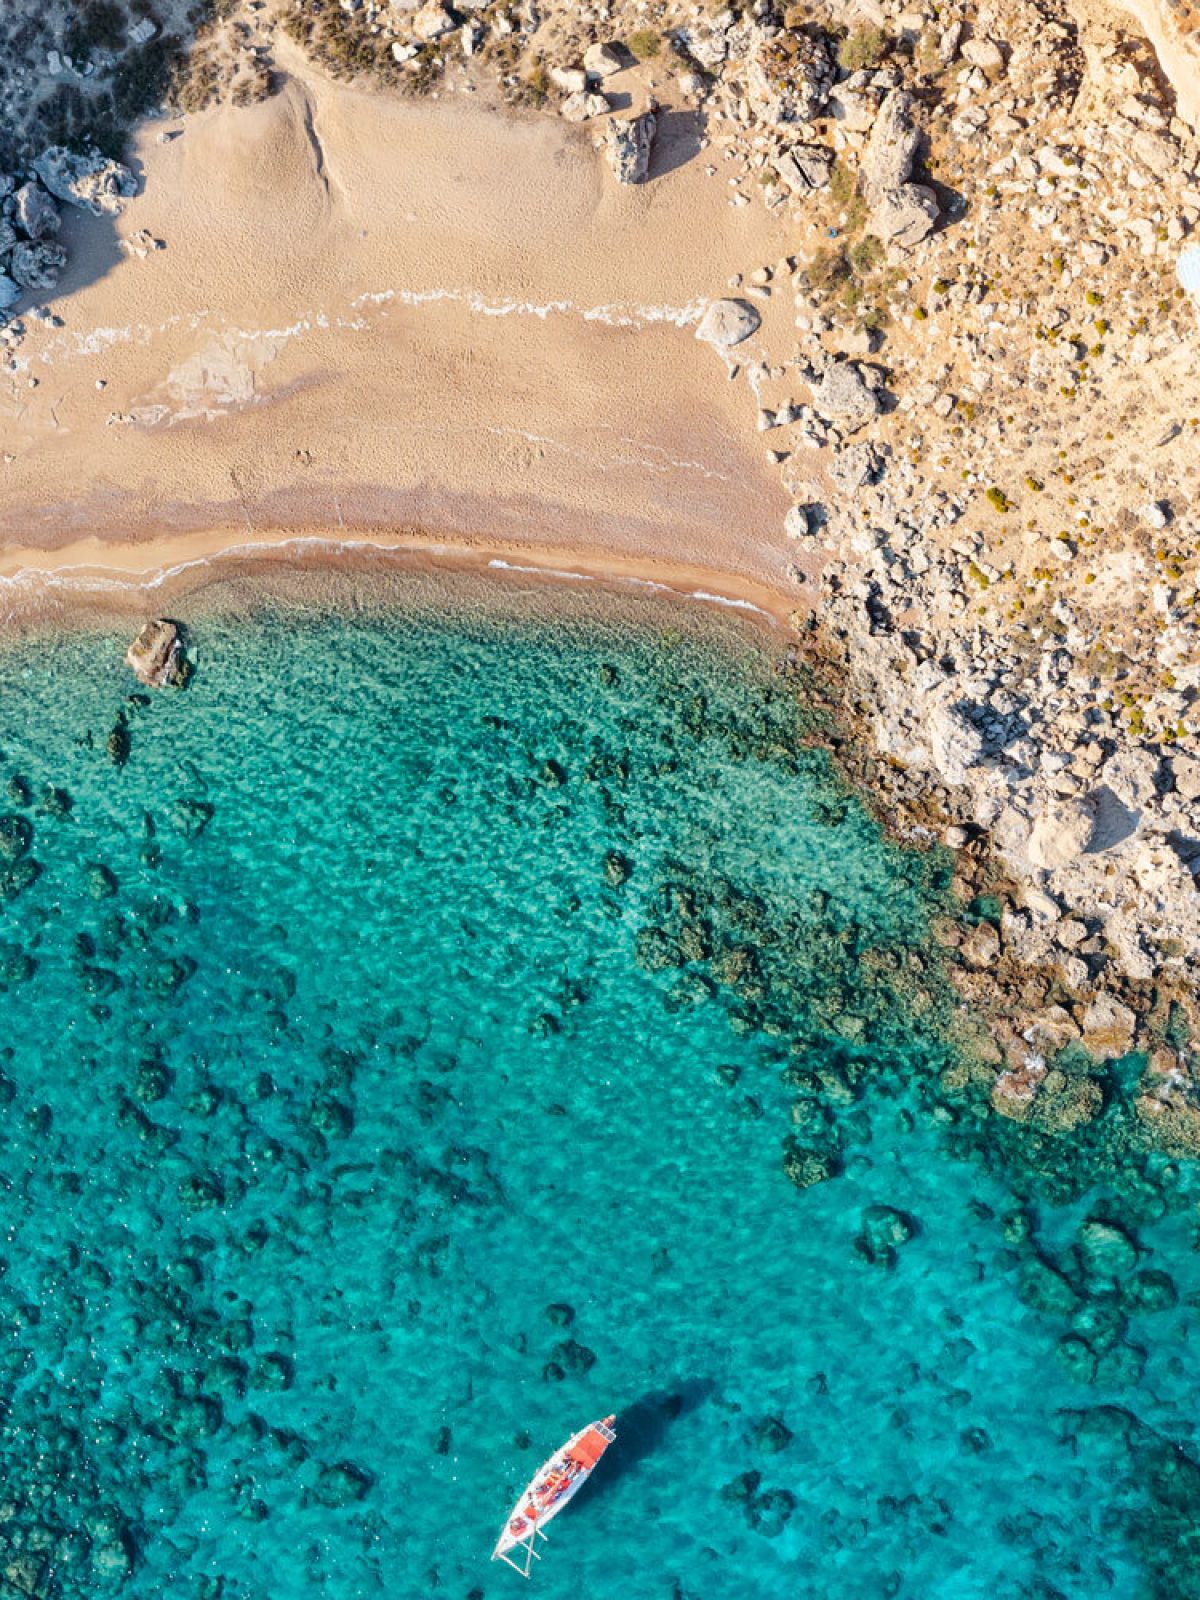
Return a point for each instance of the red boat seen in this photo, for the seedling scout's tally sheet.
(549, 1490)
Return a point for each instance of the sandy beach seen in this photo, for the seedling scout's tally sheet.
(381, 321)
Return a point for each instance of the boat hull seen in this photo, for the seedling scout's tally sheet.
(554, 1485)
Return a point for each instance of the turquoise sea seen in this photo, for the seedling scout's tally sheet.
(408, 1034)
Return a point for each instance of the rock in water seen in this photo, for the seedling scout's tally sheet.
(902, 213)
(629, 143)
(728, 322)
(156, 655)
(94, 182)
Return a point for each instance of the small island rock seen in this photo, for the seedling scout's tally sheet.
(156, 655)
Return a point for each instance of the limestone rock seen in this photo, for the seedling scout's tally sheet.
(1062, 831)
(579, 107)
(805, 167)
(902, 213)
(629, 143)
(34, 212)
(37, 265)
(985, 54)
(602, 60)
(432, 21)
(955, 743)
(1156, 151)
(156, 655)
(94, 182)
(842, 396)
(796, 524)
(728, 322)
(1108, 1028)
(1186, 772)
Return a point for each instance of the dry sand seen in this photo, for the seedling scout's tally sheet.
(424, 324)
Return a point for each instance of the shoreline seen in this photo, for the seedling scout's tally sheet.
(68, 591)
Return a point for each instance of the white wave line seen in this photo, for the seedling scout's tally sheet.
(70, 577)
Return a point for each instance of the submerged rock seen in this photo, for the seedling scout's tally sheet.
(16, 836)
(884, 1231)
(156, 655)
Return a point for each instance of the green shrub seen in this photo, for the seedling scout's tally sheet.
(997, 498)
(644, 44)
(865, 47)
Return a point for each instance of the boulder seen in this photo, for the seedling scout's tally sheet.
(855, 466)
(796, 524)
(985, 54)
(34, 212)
(855, 109)
(1186, 772)
(602, 60)
(432, 21)
(805, 167)
(94, 182)
(728, 322)
(571, 80)
(579, 107)
(905, 216)
(1061, 831)
(1109, 1028)
(840, 395)
(156, 655)
(10, 292)
(955, 743)
(629, 143)
(902, 213)
(37, 265)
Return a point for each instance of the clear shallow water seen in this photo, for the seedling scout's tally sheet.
(365, 1136)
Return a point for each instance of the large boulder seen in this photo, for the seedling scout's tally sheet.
(94, 182)
(955, 743)
(841, 396)
(602, 60)
(37, 265)
(901, 212)
(156, 655)
(1061, 831)
(629, 143)
(10, 292)
(805, 167)
(728, 322)
(34, 212)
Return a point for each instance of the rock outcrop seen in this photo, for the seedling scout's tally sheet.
(630, 141)
(728, 322)
(156, 655)
(94, 182)
(901, 212)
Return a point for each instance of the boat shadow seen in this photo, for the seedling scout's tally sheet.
(643, 1427)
